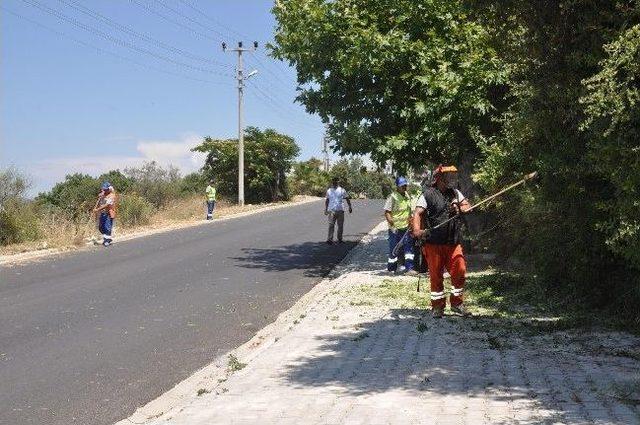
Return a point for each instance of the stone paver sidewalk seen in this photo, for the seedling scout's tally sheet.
(349, 358)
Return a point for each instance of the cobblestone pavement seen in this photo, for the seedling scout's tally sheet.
(349, 360)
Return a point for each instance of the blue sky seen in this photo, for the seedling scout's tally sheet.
(146, 80)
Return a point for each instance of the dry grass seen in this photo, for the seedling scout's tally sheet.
(62, 234)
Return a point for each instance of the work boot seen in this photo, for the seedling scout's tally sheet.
(411, 272)
(329, 242)
(461, 309)
(437, 312)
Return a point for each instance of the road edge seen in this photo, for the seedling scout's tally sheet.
(25, 257)
(211, 376)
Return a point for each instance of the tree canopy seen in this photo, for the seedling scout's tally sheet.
(269, 156)
(396, 79)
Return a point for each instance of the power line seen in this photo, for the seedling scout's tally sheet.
(116, 40)
(276, 76)
(286, 107)
(173, 21)
(128, 30)
(215, 21)
(177, 12)
(280, 109)
(107, 52)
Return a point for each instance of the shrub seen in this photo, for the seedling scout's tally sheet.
(157, 184)
(193, 183)
(18, 222)
(75, 196)
(134, 210)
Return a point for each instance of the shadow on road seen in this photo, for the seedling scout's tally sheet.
(315, 258)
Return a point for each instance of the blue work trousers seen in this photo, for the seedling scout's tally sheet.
(406, 248)
(211, 205)
(105, 226)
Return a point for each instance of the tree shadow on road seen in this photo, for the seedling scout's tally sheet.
(315, 258)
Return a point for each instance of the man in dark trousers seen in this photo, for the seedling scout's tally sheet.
(334, 209)
(442, 246)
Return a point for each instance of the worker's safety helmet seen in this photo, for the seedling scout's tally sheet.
(401, 181)
(447, 173)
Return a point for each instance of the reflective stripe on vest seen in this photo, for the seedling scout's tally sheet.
(401, 210)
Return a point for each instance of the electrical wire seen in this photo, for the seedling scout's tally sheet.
(116, 40)
(173, 21)
(107, 52)
(266, 67)
(215, 21)
(128, 30)
(177, 12)
(281, 110)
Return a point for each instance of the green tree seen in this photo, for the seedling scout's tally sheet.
(358, 181)
(118, 180)
(157, 184)
(397, 79)
(18, 219)
(308, 178)
(269, 156)
(75, 196)
(613, 121)
(566, 226)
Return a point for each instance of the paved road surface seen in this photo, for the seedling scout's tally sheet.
(87, 337)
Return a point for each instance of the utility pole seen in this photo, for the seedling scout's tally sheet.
(240, 77)
(325, 148)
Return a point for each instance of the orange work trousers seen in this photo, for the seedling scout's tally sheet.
(438, 258)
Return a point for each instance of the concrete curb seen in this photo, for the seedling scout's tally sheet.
(24, 257)
(212, 375)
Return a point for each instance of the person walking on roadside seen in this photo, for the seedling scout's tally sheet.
(442, 246)
(106, 210)
(397, 211)
(334, 209)
(211, 199)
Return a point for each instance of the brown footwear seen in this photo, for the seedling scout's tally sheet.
(461, 309)
(437, 312)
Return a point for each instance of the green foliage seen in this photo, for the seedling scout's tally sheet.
(193, 183)
(268, 157)
(308, 178)
(119, 181)
(75, 196)
(612, 108)
(13, 185)
(358, 181)
(18, 222)
(578, 225)
(134, 210)
(397, 79)
(512, 87)
(157, 184)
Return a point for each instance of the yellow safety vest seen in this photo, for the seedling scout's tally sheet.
(401, 210)
(211, 193)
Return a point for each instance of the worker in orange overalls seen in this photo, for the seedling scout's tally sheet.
(442, 247)
(106, 208)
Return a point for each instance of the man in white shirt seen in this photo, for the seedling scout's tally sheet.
(334, 209)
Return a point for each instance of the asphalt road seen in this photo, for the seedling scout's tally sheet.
(89, 336)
